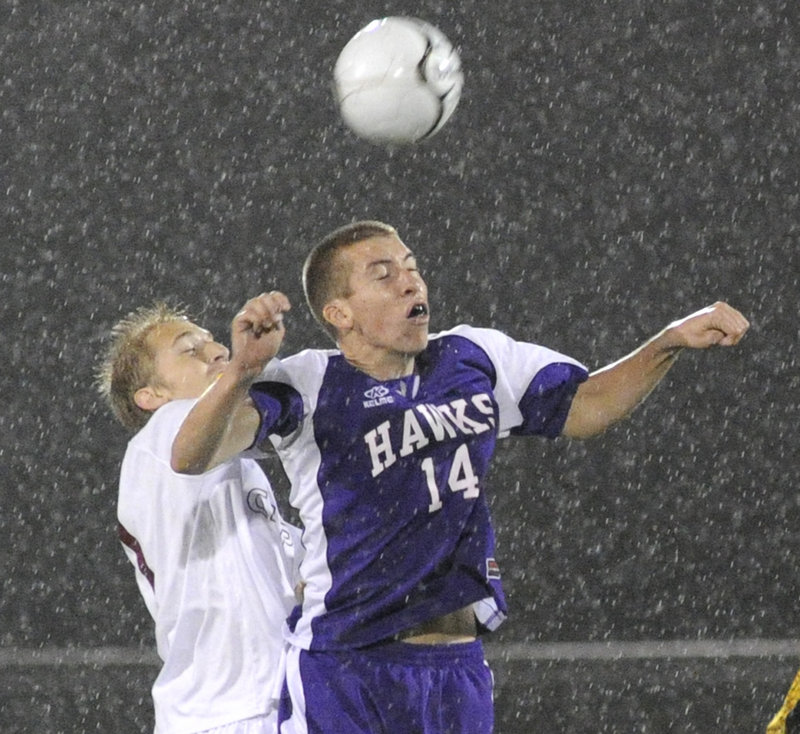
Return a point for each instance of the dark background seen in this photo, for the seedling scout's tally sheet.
(611, 166)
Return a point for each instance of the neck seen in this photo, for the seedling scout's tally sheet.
(382, 367)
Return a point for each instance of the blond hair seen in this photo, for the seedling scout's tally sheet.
(128, 363)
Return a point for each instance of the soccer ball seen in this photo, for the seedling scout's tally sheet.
(397, 80)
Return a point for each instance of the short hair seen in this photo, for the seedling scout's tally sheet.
(324, 275)
(128, 363)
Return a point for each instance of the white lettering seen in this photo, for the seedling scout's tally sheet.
(430, 476)
(413, 437)
(380, 445)
(462, 478)
(375, 402)
(483, 403)
(436, 421)
(441, 422)
(456, 413)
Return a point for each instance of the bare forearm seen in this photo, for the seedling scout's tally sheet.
(224, 422)
(219, 426)
(613, 392)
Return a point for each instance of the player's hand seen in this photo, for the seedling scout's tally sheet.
(716, 325)
(257, 331)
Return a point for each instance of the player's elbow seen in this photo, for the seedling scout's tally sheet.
(188, 469)
(582, 430)
(588, 419)
(182, 464)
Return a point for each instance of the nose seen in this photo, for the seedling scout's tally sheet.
(412, 282)
(215, 352)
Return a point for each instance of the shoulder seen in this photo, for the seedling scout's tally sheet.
(502, 347)
(290, 369)
(462, 344)
(484, 337)
(518, 361)
(149, 452)
(304, 371)
(495, 345)
(287, 390)
(156, 436)
(309, 358)
(146, 469)
(475, 334)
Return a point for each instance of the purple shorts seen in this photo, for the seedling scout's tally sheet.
(386, 689)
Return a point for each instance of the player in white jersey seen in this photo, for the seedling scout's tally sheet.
(215, 563)
(387, 441)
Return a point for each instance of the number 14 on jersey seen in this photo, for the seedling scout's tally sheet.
(461, 478)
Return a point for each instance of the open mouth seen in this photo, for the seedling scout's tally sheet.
(418, 309)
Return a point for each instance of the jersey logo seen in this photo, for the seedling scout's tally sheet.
(378, 395)
(492, 569)
(258, 500)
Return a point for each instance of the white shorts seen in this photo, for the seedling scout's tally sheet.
(257, 725)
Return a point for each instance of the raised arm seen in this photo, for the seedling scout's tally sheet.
(224, 421)
(612, 392)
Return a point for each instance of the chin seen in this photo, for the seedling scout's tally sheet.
(418, 346)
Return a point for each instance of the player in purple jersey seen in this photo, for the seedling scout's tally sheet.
(387, 441)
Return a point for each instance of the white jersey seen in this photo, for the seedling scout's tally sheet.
(217, 566)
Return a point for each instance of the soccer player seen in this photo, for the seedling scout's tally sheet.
(387, 441)
(214, 561)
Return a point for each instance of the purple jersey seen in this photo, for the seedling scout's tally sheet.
(389, 476)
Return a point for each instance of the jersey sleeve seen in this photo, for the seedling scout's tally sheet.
(534, 385)
(165, 423)
(283, 394)
(163, 427)
(547, 401)
(280, 407)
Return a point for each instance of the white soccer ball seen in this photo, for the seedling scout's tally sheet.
(398, 80)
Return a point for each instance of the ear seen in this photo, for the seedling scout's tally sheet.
(339, 314)
(150, 398)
